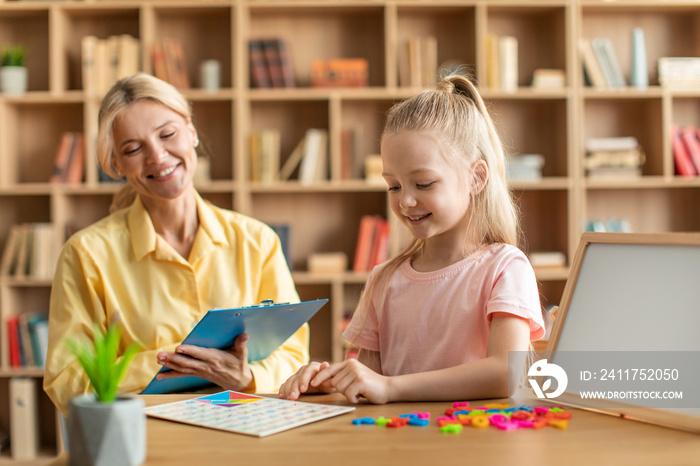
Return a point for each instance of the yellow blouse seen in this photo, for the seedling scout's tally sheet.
(119, 265)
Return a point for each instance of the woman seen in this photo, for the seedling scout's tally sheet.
(163, 258)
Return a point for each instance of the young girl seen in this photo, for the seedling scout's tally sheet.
(437, 321)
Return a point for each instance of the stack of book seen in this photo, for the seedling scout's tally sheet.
(524, 167)
(620, 157)
(600, 63)
(686, 150)
(28, 340)
(502, 62)
(270, 63)
(170, 63)
(31, 251)
(104, 61)
(372, 243)
(418, 62)
(69, 160)
(679, 72)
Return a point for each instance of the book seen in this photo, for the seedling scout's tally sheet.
(524, 167)
(277, 62)
(88, 50)
(313, 166)
(365, 239)
(292, 162)
(380, 244)
(418, 61)
(603, 62)
(160, 68)
(24, 420)
(269, 155)
(268, 325)
(44, 252)
(75, 167)
(591, 65)
(259, 75)
(128, 56)
(13, 341)
(681, 156)
(611, 55)
(679, 72)
(611, 143)
(25, 342)
(39, 335)
(429, 61)
(508, 63)
(9, 254)
(61, 158)
(690, 139)
(22, 252)
(493, 73)
(247, 414)
(546, 78)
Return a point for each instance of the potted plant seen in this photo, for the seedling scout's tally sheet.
(13, 74)
(105, 428)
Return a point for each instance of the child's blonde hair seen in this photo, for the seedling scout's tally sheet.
(455, 113)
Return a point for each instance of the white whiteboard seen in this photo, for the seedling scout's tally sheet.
(633, 297)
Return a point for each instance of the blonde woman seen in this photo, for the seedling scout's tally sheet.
(163, 258)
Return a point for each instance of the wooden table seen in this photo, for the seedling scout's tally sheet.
(591, 439)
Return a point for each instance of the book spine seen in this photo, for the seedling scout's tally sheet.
(684, 166)
(690, 138)
(13, 341)
(259, 76)
(365, 239)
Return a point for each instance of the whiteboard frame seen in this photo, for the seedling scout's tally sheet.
(632, 411)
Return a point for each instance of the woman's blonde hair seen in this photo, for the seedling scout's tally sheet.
(125, 92)
(455, 114)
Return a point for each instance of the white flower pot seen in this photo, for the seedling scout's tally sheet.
(13, 80)
(106, 434)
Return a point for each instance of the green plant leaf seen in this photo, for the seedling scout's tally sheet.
(101, 362)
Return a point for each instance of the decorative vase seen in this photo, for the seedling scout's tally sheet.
(106, 434)
(13, 80)
(639, 77)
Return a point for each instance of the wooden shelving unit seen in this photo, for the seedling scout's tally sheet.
(325, 216)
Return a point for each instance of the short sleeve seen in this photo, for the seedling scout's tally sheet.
(515, 292)
(363, 329)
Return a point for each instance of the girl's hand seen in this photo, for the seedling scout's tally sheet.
(226, 368)
(355, 380)
(300, 382)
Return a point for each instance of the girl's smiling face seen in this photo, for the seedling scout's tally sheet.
(154, 148)
(427, 193)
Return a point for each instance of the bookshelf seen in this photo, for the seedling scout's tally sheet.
(324, 216)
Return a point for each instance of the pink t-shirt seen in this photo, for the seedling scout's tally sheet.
(432, 320)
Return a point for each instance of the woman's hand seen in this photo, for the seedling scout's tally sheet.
(226, 368)
(301, 382)
(355, 380)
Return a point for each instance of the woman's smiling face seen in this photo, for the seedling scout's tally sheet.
(154, 148)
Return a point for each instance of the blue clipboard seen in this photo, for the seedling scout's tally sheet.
(268, 325)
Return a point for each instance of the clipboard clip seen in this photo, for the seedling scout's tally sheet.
(263, 303)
